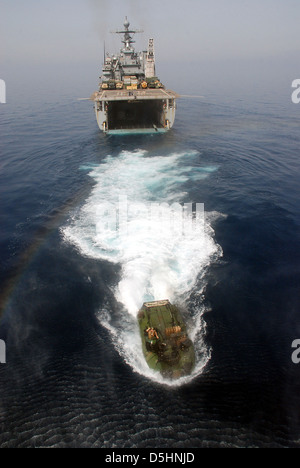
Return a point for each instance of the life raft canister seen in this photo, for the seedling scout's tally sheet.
(170, 330)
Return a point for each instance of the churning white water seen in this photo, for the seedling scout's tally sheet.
(139, 217)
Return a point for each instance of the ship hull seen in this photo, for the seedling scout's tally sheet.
(135, 111)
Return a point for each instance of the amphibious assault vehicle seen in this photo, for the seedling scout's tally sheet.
(166, 345)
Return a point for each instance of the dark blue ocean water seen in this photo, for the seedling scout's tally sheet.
(75, 376)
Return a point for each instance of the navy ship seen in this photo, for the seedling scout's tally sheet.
(131, 98)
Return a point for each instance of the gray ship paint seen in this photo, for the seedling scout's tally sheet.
(131, 99)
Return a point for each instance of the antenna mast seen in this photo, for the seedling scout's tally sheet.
(127, 40)
(150, 60)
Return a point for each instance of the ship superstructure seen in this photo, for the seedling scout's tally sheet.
(131, 98)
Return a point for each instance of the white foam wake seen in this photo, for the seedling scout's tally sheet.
(135, 217)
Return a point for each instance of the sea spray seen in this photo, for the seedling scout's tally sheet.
(138, 216)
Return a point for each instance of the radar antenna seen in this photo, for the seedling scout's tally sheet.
(127, 40)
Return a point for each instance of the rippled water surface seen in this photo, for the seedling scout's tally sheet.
(72, 283)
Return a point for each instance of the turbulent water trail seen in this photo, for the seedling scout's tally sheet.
(139, 216)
